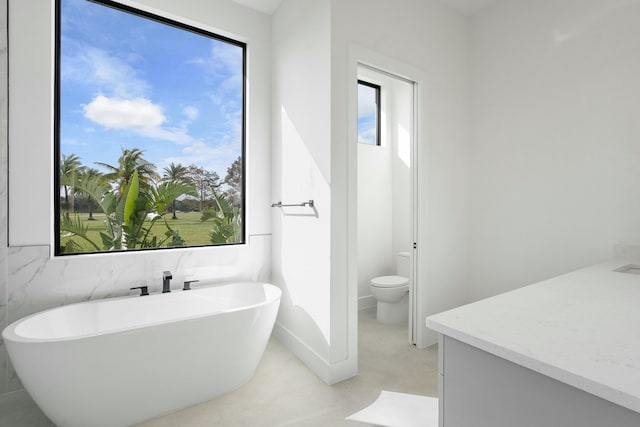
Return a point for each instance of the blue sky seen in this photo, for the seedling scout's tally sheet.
(131, 82)
(367, 114)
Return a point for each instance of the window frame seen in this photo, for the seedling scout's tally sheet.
(378, 99)
(57, 30)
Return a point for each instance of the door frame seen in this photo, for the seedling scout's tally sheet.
(361, 56)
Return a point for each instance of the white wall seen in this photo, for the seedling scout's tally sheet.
(313, 261)
(302, 171)
(32, 280)
(556, 131)
(431, 38)
(375, 218)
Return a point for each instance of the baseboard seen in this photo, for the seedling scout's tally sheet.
(329, 373)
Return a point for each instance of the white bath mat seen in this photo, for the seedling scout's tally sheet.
(399, 410)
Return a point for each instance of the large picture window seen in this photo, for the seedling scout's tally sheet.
(149, 131)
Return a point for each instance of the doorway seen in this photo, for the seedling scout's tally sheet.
(386, 193)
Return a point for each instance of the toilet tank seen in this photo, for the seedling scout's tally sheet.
(403, 262)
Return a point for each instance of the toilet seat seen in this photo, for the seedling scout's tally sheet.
(389, 281)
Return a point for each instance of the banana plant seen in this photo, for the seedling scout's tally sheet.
(70, 227)
(227, 222)
(126, 213)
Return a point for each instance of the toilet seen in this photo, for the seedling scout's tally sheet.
(392, 293)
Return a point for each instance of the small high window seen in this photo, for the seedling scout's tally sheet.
(149, 131)
(368, 113)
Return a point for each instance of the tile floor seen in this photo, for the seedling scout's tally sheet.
(284, 392)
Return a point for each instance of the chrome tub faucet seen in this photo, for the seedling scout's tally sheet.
(166, 281)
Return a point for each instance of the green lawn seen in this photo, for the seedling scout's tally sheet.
(191, 229)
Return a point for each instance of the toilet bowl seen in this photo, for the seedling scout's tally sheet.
(389, 289)
(392, 293)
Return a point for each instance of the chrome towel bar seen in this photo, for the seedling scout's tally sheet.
(280, 205)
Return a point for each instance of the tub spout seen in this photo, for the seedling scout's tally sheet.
(166, 281)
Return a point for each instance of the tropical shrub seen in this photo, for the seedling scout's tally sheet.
(127, 210)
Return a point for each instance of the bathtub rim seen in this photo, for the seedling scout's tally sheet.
(9, 333)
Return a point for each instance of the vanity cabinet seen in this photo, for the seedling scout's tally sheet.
(564, 352)
(482, 390)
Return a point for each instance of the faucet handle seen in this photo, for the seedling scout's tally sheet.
(144, 290)
(187, 284)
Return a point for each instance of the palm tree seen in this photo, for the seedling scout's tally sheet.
(176, 174)
(131, 160)
(70, 166)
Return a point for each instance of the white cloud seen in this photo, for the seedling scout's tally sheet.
(224, 59)
(138, 115)
(178, 135)
(227, 57)
(191, 113)
(109, 74)
(224, 66)
(217, 158)
(366, 101)
(368, 136)
(117, 113)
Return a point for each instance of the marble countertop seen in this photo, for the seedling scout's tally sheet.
(581, 328)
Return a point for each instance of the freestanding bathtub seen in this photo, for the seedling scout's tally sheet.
(119, 361)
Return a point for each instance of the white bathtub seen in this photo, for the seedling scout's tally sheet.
(119, 361)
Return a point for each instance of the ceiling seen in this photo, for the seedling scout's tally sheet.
(468, 7)
(265, 6)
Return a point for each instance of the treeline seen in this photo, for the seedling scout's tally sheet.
(134, 197)
(208, 184)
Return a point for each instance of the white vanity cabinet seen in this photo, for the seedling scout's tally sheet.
(479, 389)
(561, 353)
